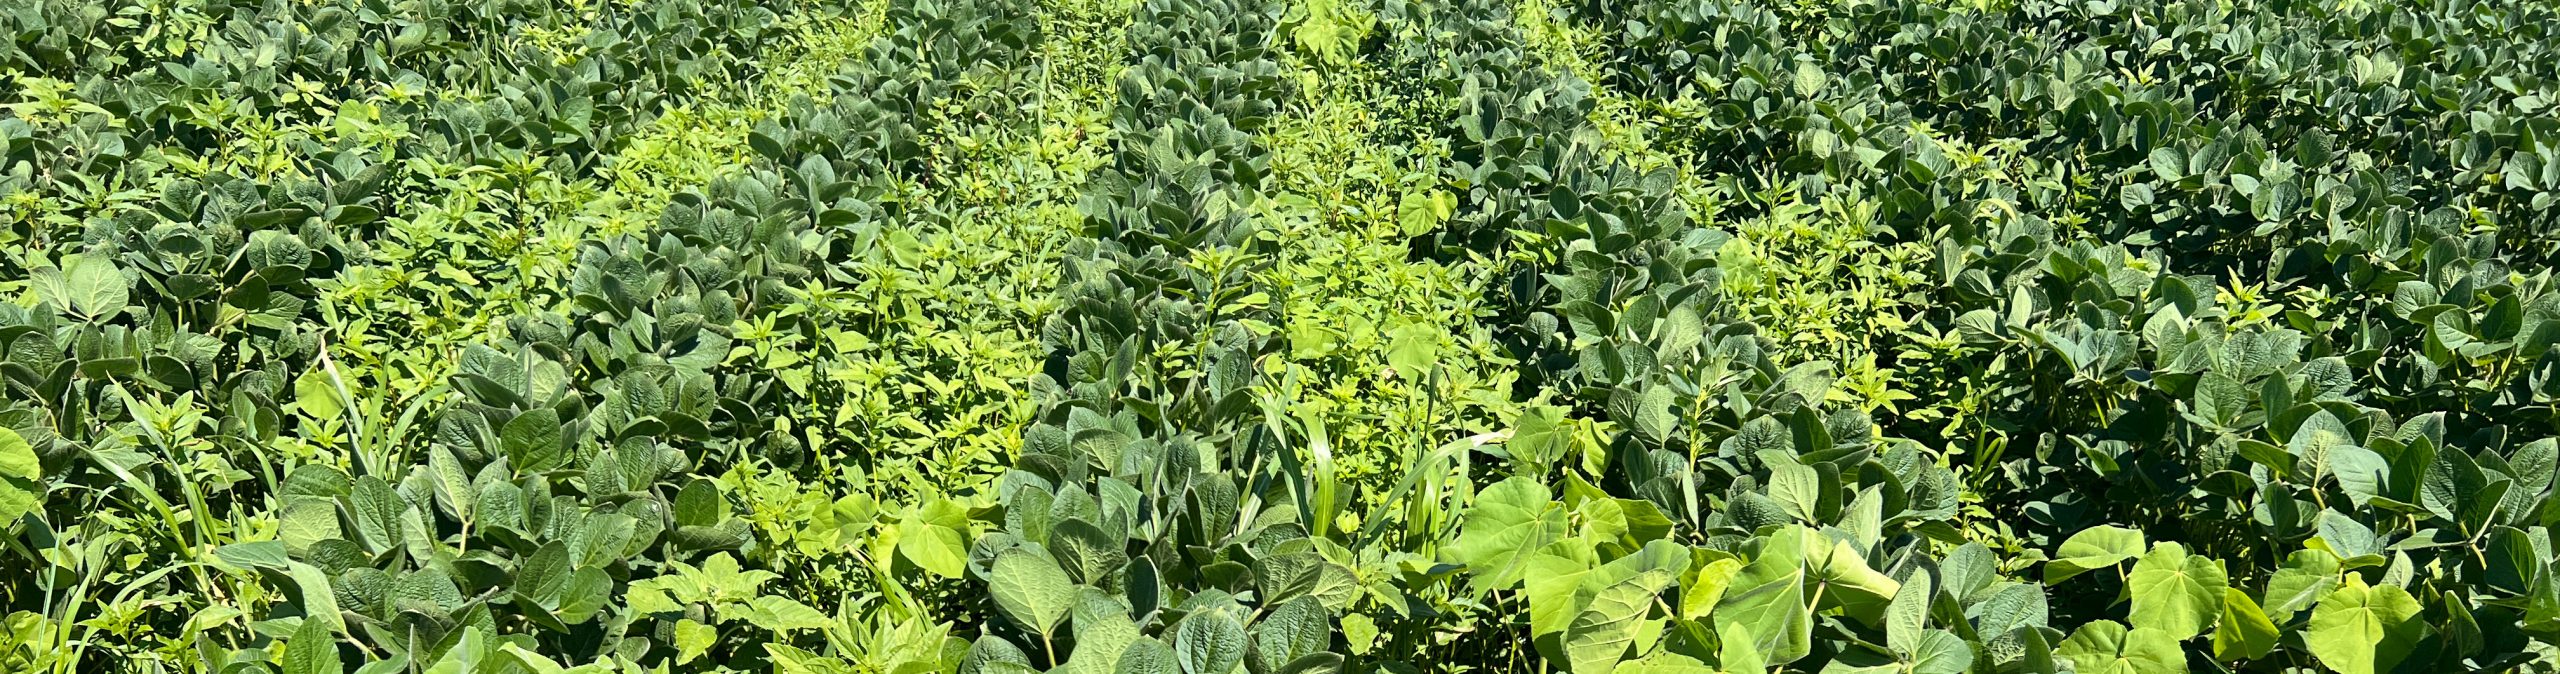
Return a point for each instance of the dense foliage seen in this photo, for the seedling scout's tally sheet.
(1279, 336)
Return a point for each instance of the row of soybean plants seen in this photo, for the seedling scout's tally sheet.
(1721, 506)
(187, 187)
(1153, 521)
(2242, 310)
(546, 501)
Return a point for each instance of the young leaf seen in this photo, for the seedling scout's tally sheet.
(693, 639)
(1707, 587)
(2093, 548)
(1510, 520)
(2361, 629)
(2106, 647)
(22, 488)
(1413, 350)
(2244, 633)
(1768, 598)
(1599, 637)
(939, 550)
(782, 615)
(2176, 593)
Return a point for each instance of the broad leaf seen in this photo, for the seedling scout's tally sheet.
(2361, 629)
(1208, 643)
(1601, 635)
(2176, 593)
(2093, 548)
(1031, 590)
(22, 487)
(2106, 647)
(2244, 633)
(1510, 520)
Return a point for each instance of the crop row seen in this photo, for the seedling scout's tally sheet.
(554, 497)
(2331, 453)
(1148, 521)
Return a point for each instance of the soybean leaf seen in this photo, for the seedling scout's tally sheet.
(1939, 652)
(1208, 643)
(1031, 590)
(1908, 617)
(312, 650)
(2093, 548)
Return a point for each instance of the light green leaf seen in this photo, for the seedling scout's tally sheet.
(256, 555)
(1100, 638)
(2244, 632)
(2093, 548)
(1664, 662)
(1907, 618)
(1808, 78)
(1413, 350)
(2315, 439)
(1510, 520)
(1539, 436)
(18, 459)
(534, 663)
(319, 602)
(1707, 587)
(1601, 635)
(1418, 213)
(1796, 486)
(22, 487)
(2363, 474)
(650, 596)
(2360, 629)
(2305, 577)
(317, 395)
(1361, 632)
(789, 659)
(692, 639)
(452, 486)
(938, 549)
(1738, 650)
(1840, 577)
(1557, 586)
(1939, 652)
(2106, 647)
(783, 615)
(1768, 599)
(2176, 593)
(88, 285)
